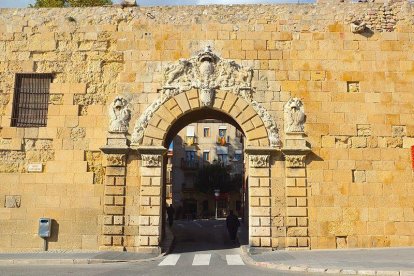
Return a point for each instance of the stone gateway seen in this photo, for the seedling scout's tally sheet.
(323, 94)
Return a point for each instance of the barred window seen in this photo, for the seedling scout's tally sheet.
(31, 97)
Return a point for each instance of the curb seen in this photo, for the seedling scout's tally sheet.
(168, 247)
(306, 268)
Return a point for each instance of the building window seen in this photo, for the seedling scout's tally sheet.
(190, 138)
(31, 97)
(222, 132)
(237, 157)
(190, 155)
(206, 132)
(222, 158)
(206, 156)
(239, 133)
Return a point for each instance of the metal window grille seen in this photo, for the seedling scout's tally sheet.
(31, 98)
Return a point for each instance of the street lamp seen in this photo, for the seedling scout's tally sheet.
(216, 194)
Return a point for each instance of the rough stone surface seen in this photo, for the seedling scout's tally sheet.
(358, 178)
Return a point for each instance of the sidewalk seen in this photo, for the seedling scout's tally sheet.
(384, 261)
(55, 257)
(68, 257)
(378, 261)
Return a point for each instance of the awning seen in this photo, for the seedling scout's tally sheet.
(222, 127)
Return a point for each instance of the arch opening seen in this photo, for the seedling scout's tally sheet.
(200, 211)
(198, 115)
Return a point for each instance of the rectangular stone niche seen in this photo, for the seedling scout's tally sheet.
(12, 201)
(341, 242)
(352, 86)
(358, 176)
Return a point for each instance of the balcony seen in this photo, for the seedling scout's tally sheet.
(191, 140)
(189, 164)
(222, 140)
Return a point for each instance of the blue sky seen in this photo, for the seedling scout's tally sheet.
(25, 3)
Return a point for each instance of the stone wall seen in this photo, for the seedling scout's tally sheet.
(356, 89)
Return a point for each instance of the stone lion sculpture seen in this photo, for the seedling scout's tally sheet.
(294, 116)
(119, 115)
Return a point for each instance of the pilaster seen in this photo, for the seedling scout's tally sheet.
(260, 231)
(295, 152)
(150, 198)
(116, 154)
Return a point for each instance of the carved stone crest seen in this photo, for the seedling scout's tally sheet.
(119, 115)
(295, 161)
(259, 161)
(294, 116)
(206, 72)
(115, 159)
(151, 160)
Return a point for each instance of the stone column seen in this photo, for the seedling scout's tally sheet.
(116, 153)
(150, 224)
(259, 198)
(295, 152)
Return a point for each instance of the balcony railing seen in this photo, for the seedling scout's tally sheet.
(189, 164)
(222, 140)
(191, 140)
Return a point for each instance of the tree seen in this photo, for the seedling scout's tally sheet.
(48, 4)
(70, 3)
(89, 3)
(215, 176)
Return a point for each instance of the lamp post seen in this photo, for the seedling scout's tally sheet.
(216, 194)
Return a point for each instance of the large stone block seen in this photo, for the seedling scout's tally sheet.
(149, 230)
(297, 231)
(115, 171)
(297, 211)
(112, 230)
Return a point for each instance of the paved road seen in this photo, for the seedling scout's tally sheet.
(202, 248)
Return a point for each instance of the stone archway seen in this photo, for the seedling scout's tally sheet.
(206, 82)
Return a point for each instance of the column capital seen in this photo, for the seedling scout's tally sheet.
(151, 156)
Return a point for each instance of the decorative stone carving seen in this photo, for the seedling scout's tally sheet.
(294, 116)
(115, 159)
(259, 161)
(119, 115)
(207, 72)
(295, 161)
(12, 201)
(151, 160)
(358, 26)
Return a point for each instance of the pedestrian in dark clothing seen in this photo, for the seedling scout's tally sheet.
(232, 223)
(170, 213)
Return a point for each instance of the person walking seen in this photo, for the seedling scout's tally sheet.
(170, 213)
(232, 223)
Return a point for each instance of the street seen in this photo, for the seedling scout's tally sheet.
(202, 248)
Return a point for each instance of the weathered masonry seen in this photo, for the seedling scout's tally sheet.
(90, 99)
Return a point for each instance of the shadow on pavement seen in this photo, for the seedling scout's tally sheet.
(205, 235)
